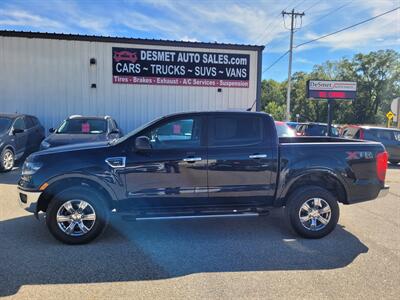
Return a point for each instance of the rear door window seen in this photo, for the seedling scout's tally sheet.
(35, 121)
(396, 135)
(29, 122)
(19, 124)
(385, 135)
(235, 130)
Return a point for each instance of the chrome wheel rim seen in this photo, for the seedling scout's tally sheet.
(76, 217)
(8, 160)
(315, 214)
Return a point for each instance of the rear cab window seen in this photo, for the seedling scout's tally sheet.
(235, 130)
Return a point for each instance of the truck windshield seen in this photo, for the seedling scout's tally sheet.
(135, 131)
(5, 123)
(83, 126)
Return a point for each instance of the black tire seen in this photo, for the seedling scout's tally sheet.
(7, 152)
(306, 195)
(96, 202)
(394, 162)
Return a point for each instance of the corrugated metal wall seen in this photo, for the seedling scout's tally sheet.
(51, 79)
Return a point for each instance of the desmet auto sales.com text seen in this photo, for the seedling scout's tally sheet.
(191, 57)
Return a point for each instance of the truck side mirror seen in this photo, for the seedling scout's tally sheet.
(17, 130)
(142, 143)
(114, 131)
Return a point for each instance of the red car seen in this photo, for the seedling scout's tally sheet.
(284, 130)
(125, 55)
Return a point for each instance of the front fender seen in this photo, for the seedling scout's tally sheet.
(83, 177)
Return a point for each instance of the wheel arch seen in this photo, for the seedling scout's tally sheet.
(57, 185)
(8, 146)
(323, 178)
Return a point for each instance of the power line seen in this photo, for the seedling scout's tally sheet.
(275, 62)
(328, 14)
(299, 4)
(346, 28)
(318, 2)
(268, 27)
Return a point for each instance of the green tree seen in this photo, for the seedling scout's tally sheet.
(378, 76)
(378, 82)
(277, 111)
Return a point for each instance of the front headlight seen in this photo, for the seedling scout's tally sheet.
(44, 145)
(30, 168)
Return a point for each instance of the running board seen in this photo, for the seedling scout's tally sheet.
(198, 216)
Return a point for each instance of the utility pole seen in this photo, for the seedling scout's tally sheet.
(293, 15)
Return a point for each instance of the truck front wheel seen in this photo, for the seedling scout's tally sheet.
(77, 215)
(312, 212)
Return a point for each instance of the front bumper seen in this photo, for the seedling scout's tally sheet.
(28, 200)
(383, 192)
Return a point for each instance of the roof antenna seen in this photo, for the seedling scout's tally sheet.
(251, 107)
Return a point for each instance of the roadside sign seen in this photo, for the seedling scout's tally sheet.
(324, 89)
(390, 115)
(394, 107)
(331, 90)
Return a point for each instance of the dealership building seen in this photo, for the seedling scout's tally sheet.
(53, 76)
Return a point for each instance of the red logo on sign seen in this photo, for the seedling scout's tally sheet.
(125, 55)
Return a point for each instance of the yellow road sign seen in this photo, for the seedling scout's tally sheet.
(390, 115)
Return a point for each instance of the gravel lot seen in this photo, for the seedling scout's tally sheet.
(215, 258)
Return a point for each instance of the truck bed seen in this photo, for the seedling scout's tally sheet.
(316, 139)
(353, 162)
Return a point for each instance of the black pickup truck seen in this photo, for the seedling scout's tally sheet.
(202, 164)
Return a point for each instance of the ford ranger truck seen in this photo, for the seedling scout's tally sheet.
(201, 164)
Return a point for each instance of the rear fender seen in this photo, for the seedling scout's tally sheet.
(326, 178)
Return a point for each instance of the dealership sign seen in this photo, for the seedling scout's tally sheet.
(322, 89)
(184, 68)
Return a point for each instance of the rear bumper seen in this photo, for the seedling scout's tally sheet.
(384, 192)
(28, 200)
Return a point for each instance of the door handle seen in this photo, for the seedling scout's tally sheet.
(192, 159)
(257, 156)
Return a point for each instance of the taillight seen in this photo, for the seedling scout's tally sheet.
(381, 165)
(361, 134)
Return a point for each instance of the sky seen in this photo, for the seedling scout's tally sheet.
(254, 22)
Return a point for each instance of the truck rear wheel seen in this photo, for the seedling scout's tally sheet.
(77, 215)
(312, 212)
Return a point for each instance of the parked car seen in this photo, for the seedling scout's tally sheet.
(283, 130)
(201, 165)
(315, 129)
(292, 125)
(79, 129)
(389, 137)
(19, 135)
